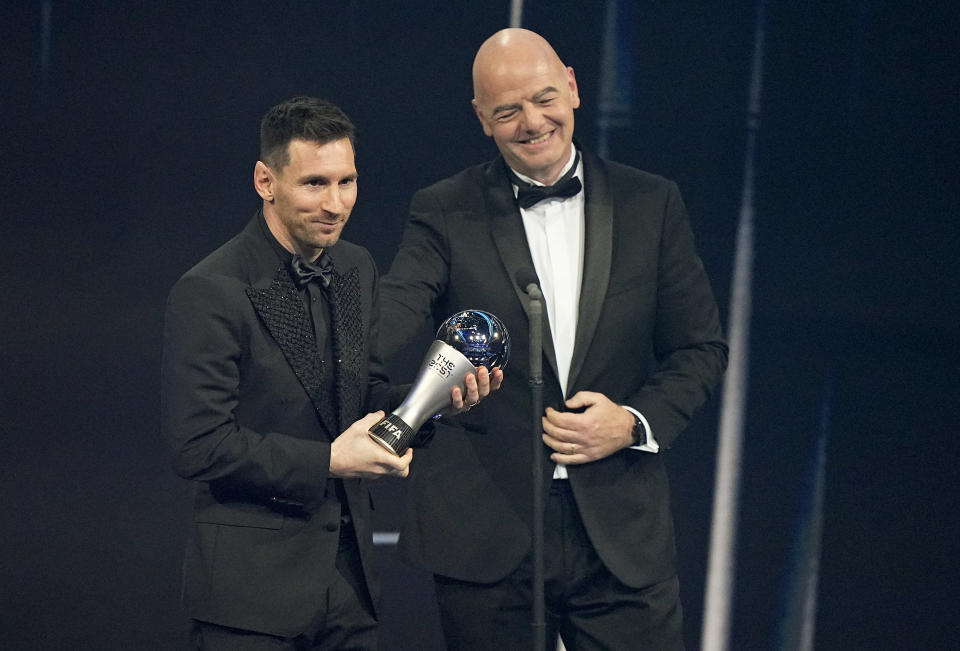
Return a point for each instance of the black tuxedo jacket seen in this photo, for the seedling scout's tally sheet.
(648, 336)
(248, 403)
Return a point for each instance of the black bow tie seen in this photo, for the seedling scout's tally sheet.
(528, 194)
(303, 271)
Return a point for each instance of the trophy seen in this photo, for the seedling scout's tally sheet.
(465, 341)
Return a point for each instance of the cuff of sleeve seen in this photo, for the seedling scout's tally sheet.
(651, 444)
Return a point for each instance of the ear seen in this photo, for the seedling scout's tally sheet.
(476, 109)
(263, 181)
(574, 94)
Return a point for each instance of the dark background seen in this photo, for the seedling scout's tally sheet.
(129, 138)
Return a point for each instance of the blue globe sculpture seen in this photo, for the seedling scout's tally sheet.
(479, 336)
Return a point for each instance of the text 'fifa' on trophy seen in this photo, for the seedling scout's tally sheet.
(465, 341)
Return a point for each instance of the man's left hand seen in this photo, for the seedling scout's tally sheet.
(603, 428)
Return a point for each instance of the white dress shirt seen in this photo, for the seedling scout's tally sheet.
(555, 230)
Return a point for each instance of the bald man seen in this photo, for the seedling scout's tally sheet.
(634, 348)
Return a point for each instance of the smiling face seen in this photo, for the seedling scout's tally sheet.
(524, 97)
(308, 201)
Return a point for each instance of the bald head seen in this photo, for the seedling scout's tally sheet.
(524, 97)
(508, 48)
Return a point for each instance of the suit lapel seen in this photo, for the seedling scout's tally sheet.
(597, 257)
(348, 333)
(506, 225)
(284, 314)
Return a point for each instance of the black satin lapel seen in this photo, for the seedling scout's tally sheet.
(506, 224)
(284, 314)
(597, 257)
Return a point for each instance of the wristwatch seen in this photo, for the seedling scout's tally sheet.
(639, 431)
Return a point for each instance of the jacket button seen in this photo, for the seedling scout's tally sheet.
(331, 526)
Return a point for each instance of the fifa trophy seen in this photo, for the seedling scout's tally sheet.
(465, 341)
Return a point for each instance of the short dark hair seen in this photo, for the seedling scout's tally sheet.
(306, 118)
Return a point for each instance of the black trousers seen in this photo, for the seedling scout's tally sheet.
(345, 621)
(585, 604)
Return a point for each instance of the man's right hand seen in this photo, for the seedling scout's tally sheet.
(355, 454)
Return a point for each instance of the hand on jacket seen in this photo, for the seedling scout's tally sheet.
(602, 428)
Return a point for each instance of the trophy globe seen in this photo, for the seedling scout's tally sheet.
(479, 336)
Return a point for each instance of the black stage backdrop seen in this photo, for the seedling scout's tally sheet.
(129, 137)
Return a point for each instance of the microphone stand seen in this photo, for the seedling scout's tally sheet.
(536, 393)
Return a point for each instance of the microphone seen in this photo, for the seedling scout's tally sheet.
(528, 281)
